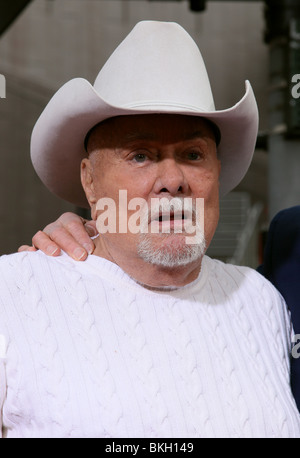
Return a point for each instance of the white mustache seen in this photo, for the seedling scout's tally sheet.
(165, 209)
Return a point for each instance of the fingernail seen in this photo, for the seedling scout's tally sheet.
(78, 254)
(51, 250)
(89, 248)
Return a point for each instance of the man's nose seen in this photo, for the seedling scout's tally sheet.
(170, 178)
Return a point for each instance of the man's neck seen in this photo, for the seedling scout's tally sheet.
(147, 274)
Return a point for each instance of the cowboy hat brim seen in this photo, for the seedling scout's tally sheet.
(57, 142)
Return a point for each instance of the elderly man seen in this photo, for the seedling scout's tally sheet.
(148, 337)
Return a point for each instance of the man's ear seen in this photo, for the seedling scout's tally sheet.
(86, 173)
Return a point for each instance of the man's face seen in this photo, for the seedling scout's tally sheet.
(151, 157)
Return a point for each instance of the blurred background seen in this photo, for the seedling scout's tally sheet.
(45, 43)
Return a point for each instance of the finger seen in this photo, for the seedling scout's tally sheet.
(68, 243)
(75, 226)
(41, 241)
(26, 248)
(75, 229)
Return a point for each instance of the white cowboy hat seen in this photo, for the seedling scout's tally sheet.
(158, 68)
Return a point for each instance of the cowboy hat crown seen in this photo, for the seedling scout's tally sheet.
(145, 72)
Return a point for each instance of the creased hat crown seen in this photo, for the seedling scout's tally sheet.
(157, 65)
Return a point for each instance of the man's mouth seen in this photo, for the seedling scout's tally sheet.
(178, 216)
(171, 220)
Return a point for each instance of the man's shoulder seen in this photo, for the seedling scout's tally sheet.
(33, 280)
(31, 270)
(20, 267)
(16, 269)
(248, 289)
(221, 268)
(246, 277)
(13, 262)
(34, 258)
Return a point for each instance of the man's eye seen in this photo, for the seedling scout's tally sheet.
(194, 155)
(140, 157)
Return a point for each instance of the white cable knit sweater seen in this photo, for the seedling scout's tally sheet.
(91, 353)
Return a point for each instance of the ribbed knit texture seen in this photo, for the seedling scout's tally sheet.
(91, 353)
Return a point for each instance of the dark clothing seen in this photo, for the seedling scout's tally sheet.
(281, 266)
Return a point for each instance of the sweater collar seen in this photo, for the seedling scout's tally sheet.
(111, 272)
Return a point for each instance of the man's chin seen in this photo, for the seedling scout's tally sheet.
(170, 250)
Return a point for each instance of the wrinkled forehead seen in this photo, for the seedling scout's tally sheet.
(163, 128)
